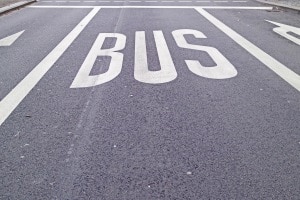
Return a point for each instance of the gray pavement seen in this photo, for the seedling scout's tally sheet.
(211, 134)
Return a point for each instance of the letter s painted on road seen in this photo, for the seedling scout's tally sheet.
(223, 69)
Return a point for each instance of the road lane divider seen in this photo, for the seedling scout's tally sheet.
(161, 7)
(17, 94)
(281, 70)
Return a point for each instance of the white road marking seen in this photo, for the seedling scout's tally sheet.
(118, 1)
(284, 31)
(164, 7)
(285, 73)
(15, 96)
(183, 1)
(223, 69)
(83, 77)
(142, 73)
(9, 40)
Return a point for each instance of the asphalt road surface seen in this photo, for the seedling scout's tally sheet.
(149, 100)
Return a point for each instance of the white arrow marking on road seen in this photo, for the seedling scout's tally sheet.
(9, 40)
(281, 70)
(283, 30)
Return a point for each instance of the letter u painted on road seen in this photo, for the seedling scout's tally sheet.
(142, 73)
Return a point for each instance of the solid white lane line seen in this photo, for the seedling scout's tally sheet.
(164, 7)
(281, 70)
(16, 95)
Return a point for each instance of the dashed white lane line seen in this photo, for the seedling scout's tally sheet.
(149, 1)
(281, 70)
(9, 103)
(161, 7)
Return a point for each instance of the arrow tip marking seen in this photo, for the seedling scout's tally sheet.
(9, 40)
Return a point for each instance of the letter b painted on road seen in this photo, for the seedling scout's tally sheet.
(83, 79)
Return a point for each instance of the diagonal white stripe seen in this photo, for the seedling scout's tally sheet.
(15, 97)
(285, 73)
